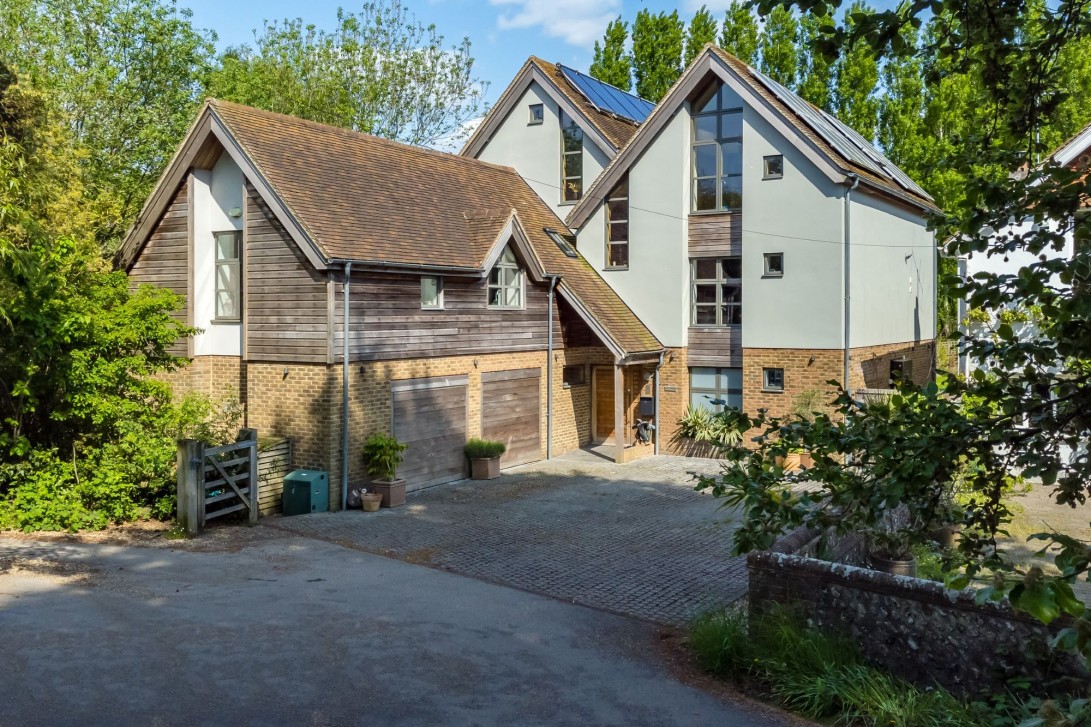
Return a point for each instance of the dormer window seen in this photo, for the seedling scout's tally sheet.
(571, 159)
(506, 282)
(717, 150)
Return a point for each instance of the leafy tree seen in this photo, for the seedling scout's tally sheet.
(701, 31)
(779, 57)
(380, 71)
(657, 52)
(128, 76)
(740, 35)
(856, 74)
(612, 63)
(816, 80)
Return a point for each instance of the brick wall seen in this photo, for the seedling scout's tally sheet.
(219, 377)
(673, 400)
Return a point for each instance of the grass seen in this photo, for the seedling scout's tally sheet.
(820, 676)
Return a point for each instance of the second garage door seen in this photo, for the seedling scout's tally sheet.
(511, 413)
(430, 416)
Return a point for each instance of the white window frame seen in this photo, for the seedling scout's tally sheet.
(507, 263)
(234, 265)
(719, 281)
(620, 193)
(439, 293)
(765, 386)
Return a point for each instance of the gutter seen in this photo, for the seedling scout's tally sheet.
(347, 288)
(553, 280)
(655, 402)
(846, 279)
(408, 267)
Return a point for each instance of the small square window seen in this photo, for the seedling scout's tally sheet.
(774, 265)
(774, 167)
(772, 379)
(575, 375)
(537, 114)
(431, 292)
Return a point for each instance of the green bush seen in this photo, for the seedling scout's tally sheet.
(484, 448)
(383, 455)
(717, 428)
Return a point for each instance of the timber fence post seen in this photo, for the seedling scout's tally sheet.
(190, 485)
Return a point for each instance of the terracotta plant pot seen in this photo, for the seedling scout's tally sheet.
(371, 501)
(485, 469)
(894, 566)
(806, 461)
(789, 462)
(393, 492)
(946, 535)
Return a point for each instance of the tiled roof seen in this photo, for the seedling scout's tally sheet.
(363, 198)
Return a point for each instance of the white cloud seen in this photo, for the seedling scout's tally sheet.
(576, 22)
(715, 6)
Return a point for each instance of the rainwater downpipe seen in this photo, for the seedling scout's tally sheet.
(655, 402)
(847, 281)
(346, 289)
(553, 280)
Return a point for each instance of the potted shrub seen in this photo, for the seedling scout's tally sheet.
(484, 456)
(383, 455)
(891, 544)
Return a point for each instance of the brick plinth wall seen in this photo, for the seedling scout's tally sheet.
(219, 377)
(917, 629)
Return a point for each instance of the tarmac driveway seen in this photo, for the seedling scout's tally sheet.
(634, 539)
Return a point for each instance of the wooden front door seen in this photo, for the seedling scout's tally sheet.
(603, 385)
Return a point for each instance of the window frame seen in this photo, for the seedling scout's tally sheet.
(767, 273)
(719, 112)
(570, 126)
(718, 392)
(519, 284)
(439, 292)
(537, 114)
(235, 264)
(582, 368)
(610, 222)
(719, 282)
(765, 387)
(765, 166)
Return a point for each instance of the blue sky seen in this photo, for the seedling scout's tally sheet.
(502, 32)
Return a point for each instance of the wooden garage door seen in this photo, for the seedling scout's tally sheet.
(511, 413)
(430, 416)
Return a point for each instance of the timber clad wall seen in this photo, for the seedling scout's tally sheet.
(715, 346)
(284, 298)
(715, 235)
(164, 261)
(388, 323)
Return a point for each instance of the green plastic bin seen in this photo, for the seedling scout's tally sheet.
(306, 491)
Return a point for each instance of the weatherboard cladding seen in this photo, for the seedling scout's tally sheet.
(363, 198)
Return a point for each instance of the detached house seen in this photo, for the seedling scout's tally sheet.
(769, 247)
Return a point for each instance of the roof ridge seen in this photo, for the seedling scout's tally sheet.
(363, 135)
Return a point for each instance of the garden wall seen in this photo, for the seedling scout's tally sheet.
(917, 629)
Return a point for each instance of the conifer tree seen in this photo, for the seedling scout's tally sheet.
(612, 63)
(657, 52)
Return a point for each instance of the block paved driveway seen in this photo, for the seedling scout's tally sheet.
(634, 539)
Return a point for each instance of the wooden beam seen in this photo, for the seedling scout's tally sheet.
(619, 413)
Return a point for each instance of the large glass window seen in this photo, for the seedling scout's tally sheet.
(228, 292)
(571, 159)
(716, 291)
(506, 282)
(717, 150)
(617, 226)
(715, 389)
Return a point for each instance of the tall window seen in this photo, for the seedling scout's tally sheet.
(717, 291)
(715, 389)
(617, 226)
(717, 150)
(571, 159)
(227, 275)
(506, 282)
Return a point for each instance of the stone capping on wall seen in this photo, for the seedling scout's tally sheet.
(913, 628)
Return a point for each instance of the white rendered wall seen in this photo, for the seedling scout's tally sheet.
(892, 272)
(215, 192)
(801, 216)
(656, 285)
(534, 150)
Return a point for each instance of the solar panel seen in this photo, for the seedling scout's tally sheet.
(608, 98)
(845, 140)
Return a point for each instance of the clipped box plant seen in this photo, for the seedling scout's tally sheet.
(383, 454)
(484, 456)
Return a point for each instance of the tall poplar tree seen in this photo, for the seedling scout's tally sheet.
(657, 52)
(779, 55)
(741, 36)
(816, 75)
(701, 30)
(856, 75)
(612, 63)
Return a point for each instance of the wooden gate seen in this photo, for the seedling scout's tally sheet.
(216, 481)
